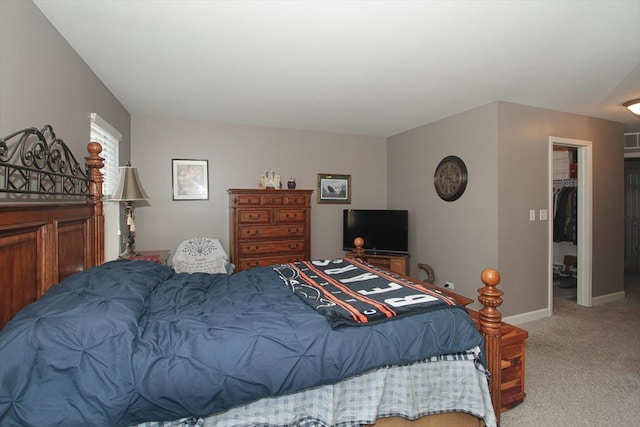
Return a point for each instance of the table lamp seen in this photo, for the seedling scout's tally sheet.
(128, 190)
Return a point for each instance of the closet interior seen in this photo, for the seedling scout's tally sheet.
(565, 217)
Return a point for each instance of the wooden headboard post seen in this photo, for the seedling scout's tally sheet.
(94, 164)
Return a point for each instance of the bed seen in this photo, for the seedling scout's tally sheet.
(132, 342)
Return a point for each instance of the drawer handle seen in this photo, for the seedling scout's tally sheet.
(292, 216)
(253, 248)
(252, 232)
(254, 217)
(294, 230)
(293, 246)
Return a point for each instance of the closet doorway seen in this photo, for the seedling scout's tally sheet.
(583, 210)
(632, 214)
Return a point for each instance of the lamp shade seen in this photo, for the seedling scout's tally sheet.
(633, 106)
(129, 187)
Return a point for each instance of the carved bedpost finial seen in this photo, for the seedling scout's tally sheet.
(358, 250)
(490, 322)
(95, 163)
(490, 298)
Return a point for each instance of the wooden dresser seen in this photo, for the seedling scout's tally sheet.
(269, 226)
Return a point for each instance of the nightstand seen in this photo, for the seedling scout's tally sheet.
(513, 351)
(513, 361)
(158, 256)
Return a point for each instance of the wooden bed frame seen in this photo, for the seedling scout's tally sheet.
(58, 232)
(489, 321)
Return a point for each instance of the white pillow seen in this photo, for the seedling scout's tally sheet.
(201, 255)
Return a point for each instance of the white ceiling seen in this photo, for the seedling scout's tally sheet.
(360, 67)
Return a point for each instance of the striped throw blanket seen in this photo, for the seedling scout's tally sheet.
(349, 292)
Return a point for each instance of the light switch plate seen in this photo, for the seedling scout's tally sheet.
(543, 214)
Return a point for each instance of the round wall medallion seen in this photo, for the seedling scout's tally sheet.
(450, 178)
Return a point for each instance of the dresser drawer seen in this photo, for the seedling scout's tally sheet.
(253, 232)
(247, 263)
(254, 216)
(275, 247)
(246, 200)
(291, 215)
(299, 200)
(272, 199)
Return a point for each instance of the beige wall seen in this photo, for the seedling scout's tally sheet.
(44, 81)
(237, 156)
(457, 239)
(506, 149)
(523, 184)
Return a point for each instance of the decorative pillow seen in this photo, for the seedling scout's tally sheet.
(201, 255)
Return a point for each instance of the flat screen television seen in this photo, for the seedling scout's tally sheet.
(384, 231)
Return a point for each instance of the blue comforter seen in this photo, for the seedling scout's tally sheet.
(132, 341)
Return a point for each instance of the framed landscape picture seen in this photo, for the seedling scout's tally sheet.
(334, 188)
(190, 179)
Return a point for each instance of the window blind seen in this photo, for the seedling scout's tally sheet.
(110, 140)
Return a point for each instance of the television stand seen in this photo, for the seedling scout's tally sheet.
(393, 262)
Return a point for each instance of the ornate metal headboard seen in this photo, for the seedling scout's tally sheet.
(34, 161)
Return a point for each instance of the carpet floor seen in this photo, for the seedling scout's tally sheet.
(583, 364)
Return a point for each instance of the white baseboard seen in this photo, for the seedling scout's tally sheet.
(604, 299)
(518, 319)
(527, 317)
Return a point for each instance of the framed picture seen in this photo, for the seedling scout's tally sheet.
(334, 188)
(190, 179)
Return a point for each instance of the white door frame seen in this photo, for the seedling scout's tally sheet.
(585, 222)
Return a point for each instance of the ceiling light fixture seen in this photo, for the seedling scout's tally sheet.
(633, 106)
